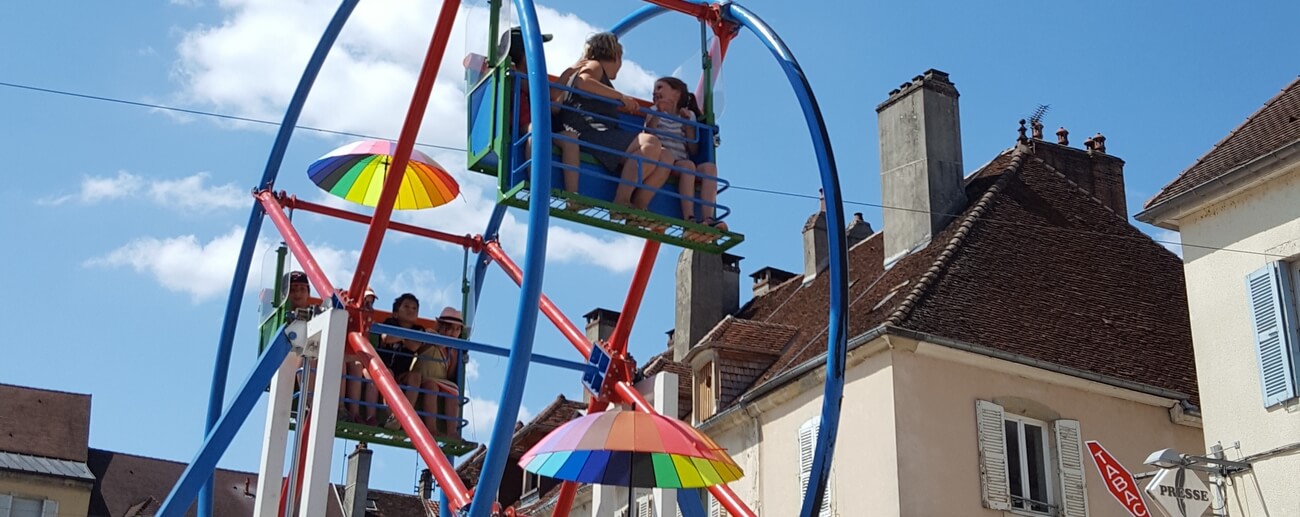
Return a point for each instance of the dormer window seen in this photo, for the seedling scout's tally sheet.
(705, 392)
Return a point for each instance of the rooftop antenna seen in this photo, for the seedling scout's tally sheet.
(1036, 120)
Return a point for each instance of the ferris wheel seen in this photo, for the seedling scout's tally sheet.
(565, 170)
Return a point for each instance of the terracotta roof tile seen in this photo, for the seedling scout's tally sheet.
(1033, 266)
(561, 410)
(1273, 126)
(62, 432)
(663, 362)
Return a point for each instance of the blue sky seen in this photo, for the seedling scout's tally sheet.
(121, 222)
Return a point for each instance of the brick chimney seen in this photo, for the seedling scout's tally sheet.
(816, 246)
(357, 487)
(1101, 174)
(425, 486)
(708, 289)
(859, 229)
(600, 324)
(920, 161)
(768, 278)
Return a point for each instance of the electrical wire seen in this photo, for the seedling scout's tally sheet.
(733, 186)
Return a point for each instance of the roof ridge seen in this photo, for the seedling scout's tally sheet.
(1084, 191)
(941, 263)
(1271, 101)
(152, 458)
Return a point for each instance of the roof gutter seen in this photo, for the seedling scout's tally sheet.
(819, 361)
(1167, 212)
(1044, 365)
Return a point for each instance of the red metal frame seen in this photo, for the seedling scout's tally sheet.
(620, 391)
(307, 206)
(635, 293)
(357, 343)
(405, 143)
(566, 327)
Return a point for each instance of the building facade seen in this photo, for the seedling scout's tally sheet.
(1238, 209)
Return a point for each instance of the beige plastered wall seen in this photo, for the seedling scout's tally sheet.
(936, 388)
(73, 496)
(907, 441)
(1264, 218)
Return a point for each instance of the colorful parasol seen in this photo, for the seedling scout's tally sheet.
(356, 172)
(630, 448)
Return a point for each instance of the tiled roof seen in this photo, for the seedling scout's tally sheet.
(746, 349)
(126, 481)
(1033, 266)
(664, 363)
(61, 432)
(1273, 126)
(561, 410)
(45, 466)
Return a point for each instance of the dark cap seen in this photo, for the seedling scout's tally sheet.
(297, 277)
(512, 44)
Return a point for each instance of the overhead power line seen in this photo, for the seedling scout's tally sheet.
(733, 185)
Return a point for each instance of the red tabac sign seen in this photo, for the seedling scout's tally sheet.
(1118, 480)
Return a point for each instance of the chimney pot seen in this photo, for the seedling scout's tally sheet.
(1037, 126)
(1062, 136)
(893, 92)
(859, 229)
(1099, 142)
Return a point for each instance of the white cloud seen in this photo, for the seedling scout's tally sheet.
(424, 285)
(482, 413)
(471, 370)
(94, 189)
(203, 270)
(250, 64)
(190, 193)
(1170, 239)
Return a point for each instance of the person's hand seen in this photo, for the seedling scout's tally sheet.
(630, 105)
(684, 113)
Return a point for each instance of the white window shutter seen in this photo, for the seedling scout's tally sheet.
(1070, 460)
(1273, 323)
(807, 446)
(715, 508)
(645, 506)
(50, 508)
(989, 425)
(6, 504)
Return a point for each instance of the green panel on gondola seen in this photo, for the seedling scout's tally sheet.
(663, 229)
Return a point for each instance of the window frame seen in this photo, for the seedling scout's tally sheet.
(706, 399)
(1049, 467)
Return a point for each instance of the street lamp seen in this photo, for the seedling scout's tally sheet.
(1169, 458)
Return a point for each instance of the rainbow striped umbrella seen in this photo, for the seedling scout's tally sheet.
(356, 172)
(630, 448)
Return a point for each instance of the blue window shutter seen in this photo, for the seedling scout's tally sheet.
(1273, 322)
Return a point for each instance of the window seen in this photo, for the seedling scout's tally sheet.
(1271, 291)
(531, 483)
(807, 443)
(704, 395)
(1026, 445)
(12, 506)
(1029, 466)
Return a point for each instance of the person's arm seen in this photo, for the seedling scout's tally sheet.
(588, 80)
(689, 130)
(651, 122)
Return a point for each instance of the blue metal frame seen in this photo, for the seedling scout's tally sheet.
(636, 18)
(470, 346)
(221, 368)
(198, 473)
(837, 334)
(498, 448)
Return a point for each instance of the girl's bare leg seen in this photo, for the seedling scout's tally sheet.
(645, 146)
(686, 188)
(570, 156)
(708, 190)
(652, 180)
